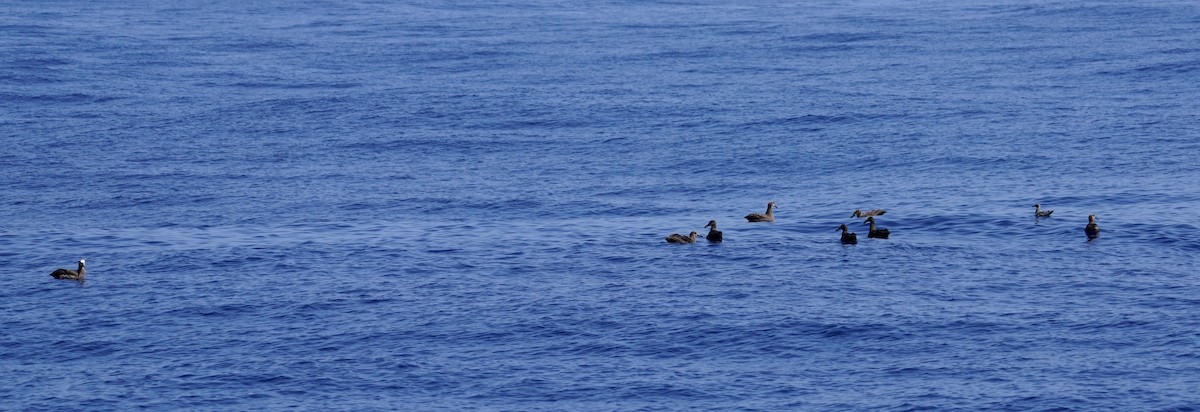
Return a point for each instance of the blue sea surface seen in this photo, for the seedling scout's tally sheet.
(462, 205)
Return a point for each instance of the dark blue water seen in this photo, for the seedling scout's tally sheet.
(461, 205)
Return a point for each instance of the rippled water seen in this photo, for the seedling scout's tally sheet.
(462, 205)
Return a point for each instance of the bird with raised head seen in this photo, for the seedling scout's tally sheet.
(1038, 212)
(63, 273)
(761, 217)
(880, 233)
(1092, 230)
(848, 237)
(714, 235)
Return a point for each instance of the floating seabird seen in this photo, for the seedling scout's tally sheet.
(848, 237)
(869, 213)
(714, 235)
(63, 273)
(1092, 230)
(678, 238)
(768, 217)
(1038, 212)
(876, 233)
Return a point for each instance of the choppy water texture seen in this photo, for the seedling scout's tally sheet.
(444, 205)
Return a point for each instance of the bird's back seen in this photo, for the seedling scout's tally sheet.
(63, 273)
(715, 236)
(759, 217)
(678, 238)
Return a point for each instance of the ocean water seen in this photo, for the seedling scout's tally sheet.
(461, 205)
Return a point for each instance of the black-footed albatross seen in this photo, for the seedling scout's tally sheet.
(714, 235)
(880, 233)
(1038, 212)
(768, 217)
(1092, 230)
(848, 237)
(869, 213)
(63, 273)
(678, 238)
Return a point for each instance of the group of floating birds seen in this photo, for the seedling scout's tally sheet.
(1092, 230)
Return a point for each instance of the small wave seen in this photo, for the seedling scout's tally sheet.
(39, 62)
(30, 78)
(24, 28)
(260, 46)
(1123, 11)
(805, 120)
(845, 37)
(1176, 67)
(317, 24)
(57, 98)
(282, 85)
(1161, 69)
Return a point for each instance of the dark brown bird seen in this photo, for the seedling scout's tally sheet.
(1092, 230)
(869, 213)
(1038, 212)
(848, 237)
(678, 238)
(876, 233)
(768, 217)
(63, 273)
(714, 235)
